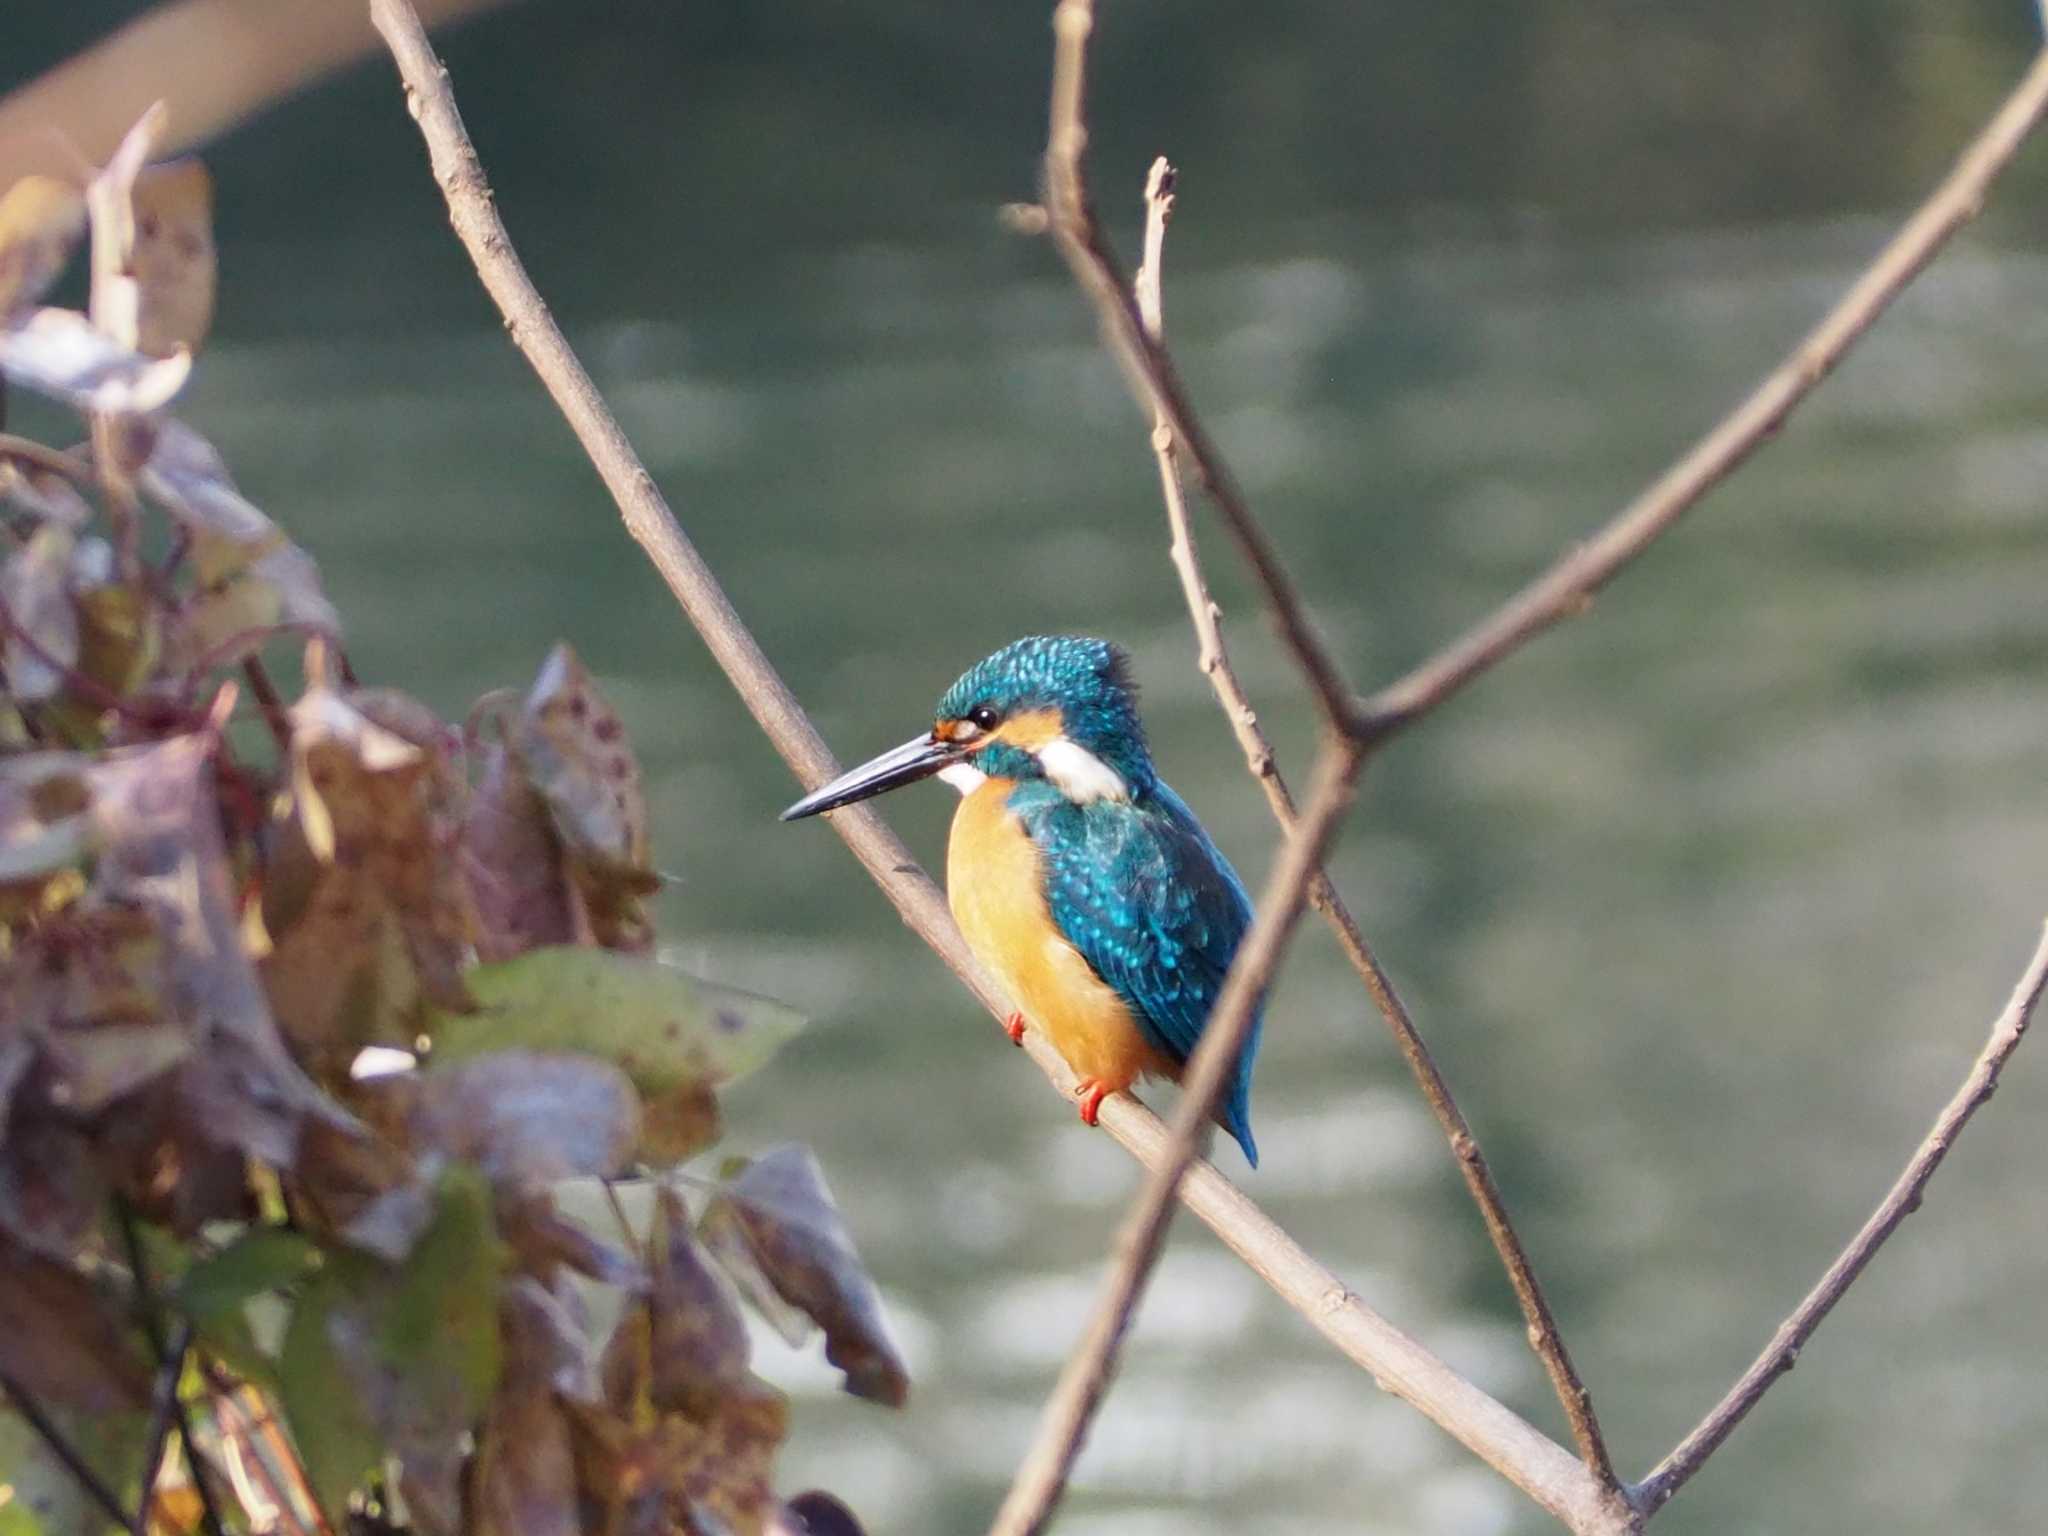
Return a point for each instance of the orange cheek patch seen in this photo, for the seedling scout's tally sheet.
(1031, 730)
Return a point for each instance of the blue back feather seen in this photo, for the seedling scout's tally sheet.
(1155, 909)
(1135, 885)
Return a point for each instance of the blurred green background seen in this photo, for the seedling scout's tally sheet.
(1705, 902)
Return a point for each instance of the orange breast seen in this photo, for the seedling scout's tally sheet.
(993, 884)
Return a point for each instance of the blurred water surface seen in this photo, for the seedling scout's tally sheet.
(1705, 901)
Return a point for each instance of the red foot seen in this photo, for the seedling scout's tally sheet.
(1093, 1091)
(1013, 1026)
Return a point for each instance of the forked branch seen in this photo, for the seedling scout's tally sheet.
(1131, 325)
(1072, 224)
(1567, 588)
(1213, 658)
(1900, 1201)
(1522, 1454)
(1550, 1475)
(1042, 1475)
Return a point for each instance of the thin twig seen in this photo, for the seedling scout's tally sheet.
(1063, 1426)
(55, 461)
(145, 716)
(169, 1352)
(74, 1461)
(162, 1419)
(1526, 1457)
(269, 703)
(1567, 587)
(1078, 236)
(1900, 1201)
(1213, 659)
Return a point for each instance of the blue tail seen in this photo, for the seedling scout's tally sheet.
(1234, 1114)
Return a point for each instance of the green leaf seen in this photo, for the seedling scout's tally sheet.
(329, 1425)
(442, 1321)
(665, 1029)
(261, 1259)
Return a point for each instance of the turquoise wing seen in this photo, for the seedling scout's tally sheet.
(1157, 912)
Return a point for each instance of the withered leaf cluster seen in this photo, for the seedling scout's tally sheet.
(217, 895)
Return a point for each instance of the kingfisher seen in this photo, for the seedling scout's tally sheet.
(1082, 883)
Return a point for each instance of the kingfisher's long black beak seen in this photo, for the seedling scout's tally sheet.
(918, 758)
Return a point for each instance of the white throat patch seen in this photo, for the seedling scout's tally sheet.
(1079, 774)
(964, 777)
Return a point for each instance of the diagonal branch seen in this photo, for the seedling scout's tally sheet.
(1070, 219)
(1213, 659)
(1900, 1201)
(74, 1460)
(1566, 589)
(162, 1420)
(1526, 1457)
(1085, 1379)
(170, 1351)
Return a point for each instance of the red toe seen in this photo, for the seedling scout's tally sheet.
(1093, 1092)
(1013, 1026)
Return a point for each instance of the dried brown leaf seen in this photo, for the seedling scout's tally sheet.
(52, 1197)
(109, 199)
(136, 992)
(573, 747)
(158, 829)
(45, 821)
(43, 492)
(670, 1474)
(58, 352)
(42, 621)
(544, 1238)
(776, 1229)
(41, 222)
(120, 631)
(528, 1118)
(365, 907)
(513, 860)
(172, 258)
(687, 1345)
(233, 545)
(524, 1483)
(92, 1068)
(65, 1340)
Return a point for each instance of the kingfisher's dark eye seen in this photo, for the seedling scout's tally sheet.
(982, 717)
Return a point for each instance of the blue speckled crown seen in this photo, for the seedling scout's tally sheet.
(1088, 681)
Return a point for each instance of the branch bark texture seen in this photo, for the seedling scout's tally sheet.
(1528, 1458)
(1213, 660)
(1578, 1493)
(1567, 588)
(1900, 1201)
(1085, 1379)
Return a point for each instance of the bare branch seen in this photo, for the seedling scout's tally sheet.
(162, 1419)
(1900, 1201)
(1042, 1475)
(1213, 658)
(74, 1462)
(1526, 1457)
(1568, 586)
(170, 1352)
(1074, 229)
